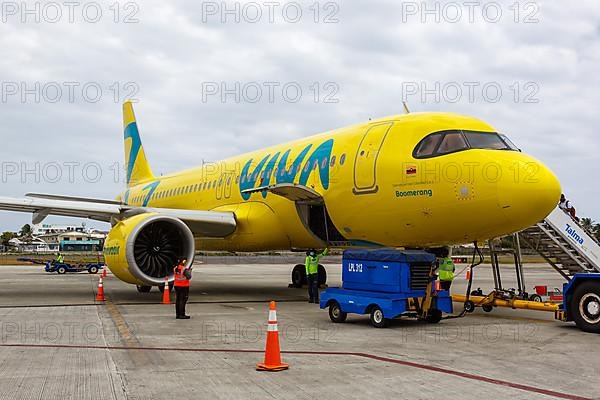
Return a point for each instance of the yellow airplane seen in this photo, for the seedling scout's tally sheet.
(421, 180)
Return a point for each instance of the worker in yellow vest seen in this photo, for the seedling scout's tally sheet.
(446, 270)
(312, 273)
(59, 259)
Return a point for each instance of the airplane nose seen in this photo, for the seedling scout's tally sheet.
(527, 190)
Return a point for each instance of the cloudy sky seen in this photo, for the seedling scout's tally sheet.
(215, 79)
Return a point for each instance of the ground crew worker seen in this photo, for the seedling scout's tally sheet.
(59, 258)
(312, 274)
(446, 270)
(182, 276)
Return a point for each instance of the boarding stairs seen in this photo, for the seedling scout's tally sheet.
(565, 245)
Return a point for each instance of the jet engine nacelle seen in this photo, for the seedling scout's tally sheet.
(145, 248)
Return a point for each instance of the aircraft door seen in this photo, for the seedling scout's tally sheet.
(365, 161)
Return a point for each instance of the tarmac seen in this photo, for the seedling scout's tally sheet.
(57, 342)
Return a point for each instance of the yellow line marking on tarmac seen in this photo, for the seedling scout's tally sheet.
(138, 357)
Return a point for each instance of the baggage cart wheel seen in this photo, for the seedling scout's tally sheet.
(536, 298)
(61, 270)
(377, 318)
(143, 289)
(487, 307)
(585, 307)
(93, 269)
(299, 276)
(434, 316)
(469, 306)
(335, 313)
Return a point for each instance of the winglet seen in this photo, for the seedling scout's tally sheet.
(137, 167)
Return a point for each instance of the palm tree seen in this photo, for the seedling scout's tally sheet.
(25, 230)
(587, 224)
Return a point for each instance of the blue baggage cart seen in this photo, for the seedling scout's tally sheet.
(63, 268)
(386, 284)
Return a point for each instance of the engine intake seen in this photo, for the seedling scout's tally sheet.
(152, 245)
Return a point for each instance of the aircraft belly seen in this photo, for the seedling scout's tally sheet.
(270, 225)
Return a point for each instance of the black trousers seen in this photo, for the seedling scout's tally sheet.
(181, 297)
(313, 287)
(445, 285)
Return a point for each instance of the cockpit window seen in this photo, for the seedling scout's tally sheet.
(453, 141)
(428, 145)
(509, 142)
(446, 142)
(482, 140)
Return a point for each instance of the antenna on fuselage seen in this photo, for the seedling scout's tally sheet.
(406, 110)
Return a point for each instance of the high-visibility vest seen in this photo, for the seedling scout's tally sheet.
(180, 278)
(60, 259)
(446, 269)
(312, 263)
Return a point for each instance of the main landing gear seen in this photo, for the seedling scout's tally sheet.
(147, 289)
(299, 276)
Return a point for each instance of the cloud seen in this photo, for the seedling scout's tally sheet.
(178, 49)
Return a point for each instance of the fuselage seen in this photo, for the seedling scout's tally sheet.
(379, 183)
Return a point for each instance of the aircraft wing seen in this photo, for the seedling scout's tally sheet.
(206, 223)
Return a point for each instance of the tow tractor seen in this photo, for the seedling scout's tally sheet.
(387, 284)
(63, 268)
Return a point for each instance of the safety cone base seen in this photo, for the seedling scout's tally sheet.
(272, 368)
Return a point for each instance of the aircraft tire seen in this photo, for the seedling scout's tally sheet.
(143, 289)
(322, 272)
(299, 276)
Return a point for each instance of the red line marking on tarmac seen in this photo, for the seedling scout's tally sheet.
(426, 367)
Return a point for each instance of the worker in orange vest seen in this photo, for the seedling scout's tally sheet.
(182, 275)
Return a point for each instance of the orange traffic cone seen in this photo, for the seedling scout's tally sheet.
(272, 353)
(100, 295)
(104, 272)
(468, 276)
(166, 292)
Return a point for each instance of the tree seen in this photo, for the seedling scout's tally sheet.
(25, 230)
(587, 224)
(6, 236)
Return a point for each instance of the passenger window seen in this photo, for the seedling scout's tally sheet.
(428, 146)
(453, 141)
